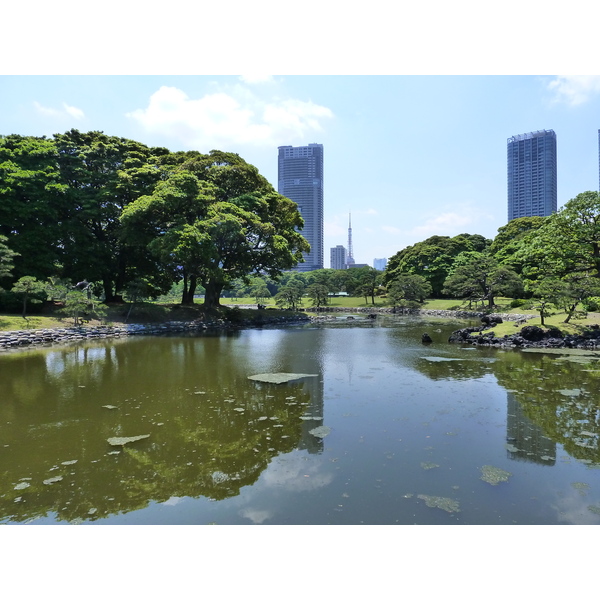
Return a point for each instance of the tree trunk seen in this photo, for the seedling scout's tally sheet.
(212, 294)
(189, 289)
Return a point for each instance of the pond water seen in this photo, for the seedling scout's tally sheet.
(377, 428)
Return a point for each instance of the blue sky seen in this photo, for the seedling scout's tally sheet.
(408, 156)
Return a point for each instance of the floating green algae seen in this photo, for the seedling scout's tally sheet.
(280, 377)
(446, 504)
(494, 475)
(595, 509)
(582, 487)
(428, 465)
(320, 432)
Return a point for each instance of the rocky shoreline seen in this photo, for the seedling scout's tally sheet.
(39, 337)
(530, 336)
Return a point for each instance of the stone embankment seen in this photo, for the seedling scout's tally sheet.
(447, 314)
(36, 337)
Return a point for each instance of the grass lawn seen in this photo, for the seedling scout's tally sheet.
(152, 312)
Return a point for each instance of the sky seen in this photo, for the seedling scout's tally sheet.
(407, 156)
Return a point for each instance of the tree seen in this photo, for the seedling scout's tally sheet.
(6, 258)
(200, 238)
(408, 290)
(259, 290)
(567, 243)
(290, 296)
(32, 204)
(102, 175)
(482, 278)
(511, 238)
(319, 294)
(26, 287)
(433, 258)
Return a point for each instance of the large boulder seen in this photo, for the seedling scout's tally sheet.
(533, 333)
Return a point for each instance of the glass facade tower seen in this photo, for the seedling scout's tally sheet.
(300, 175)
(531, 162)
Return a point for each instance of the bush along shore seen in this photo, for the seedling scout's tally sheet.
(530, 336)
(36, 337)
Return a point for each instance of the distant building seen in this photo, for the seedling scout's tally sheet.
(531, 166)
(338, 257)
(300, 174)
(350, 257)
(357, 265)
(380, 263)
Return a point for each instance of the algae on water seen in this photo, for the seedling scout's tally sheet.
(446, 504)
(320, 432)
(494, 475)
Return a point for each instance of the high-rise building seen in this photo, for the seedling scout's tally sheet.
(531, 162)
(380, 264)
(300, 174)
(338, 257)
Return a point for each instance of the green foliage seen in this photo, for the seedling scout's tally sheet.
(290, 296)
(433, 258)
(6, 258)
(319, 294)
(28, 288)
(408, 291)
(482, 278)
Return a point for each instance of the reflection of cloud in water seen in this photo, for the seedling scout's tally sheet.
(256, 516)
(172, 501)
(573, 509)
(296, 473)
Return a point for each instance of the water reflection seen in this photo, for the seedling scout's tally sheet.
(407, 421)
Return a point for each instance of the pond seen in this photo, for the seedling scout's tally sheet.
(374, 427)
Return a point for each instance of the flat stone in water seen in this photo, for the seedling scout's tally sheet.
(121, 441)
(280, 377)
(494, 475)
(52, 480)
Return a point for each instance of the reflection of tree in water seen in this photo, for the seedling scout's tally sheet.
(212, 430)
(559, 396)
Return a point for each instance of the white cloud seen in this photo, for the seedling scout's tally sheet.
(73, 111)
(574, 89)
(390, 229)
(67, 111)
(444, 224)
(220, 119)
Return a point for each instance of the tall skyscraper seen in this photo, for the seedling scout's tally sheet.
(337, 257)
(380, 264)
(531, 162)
(300, 174)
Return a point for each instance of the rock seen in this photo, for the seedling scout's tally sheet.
(121, 441)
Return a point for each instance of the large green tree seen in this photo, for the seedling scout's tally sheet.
(202, 238)
(482, 278)
(433, 258)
